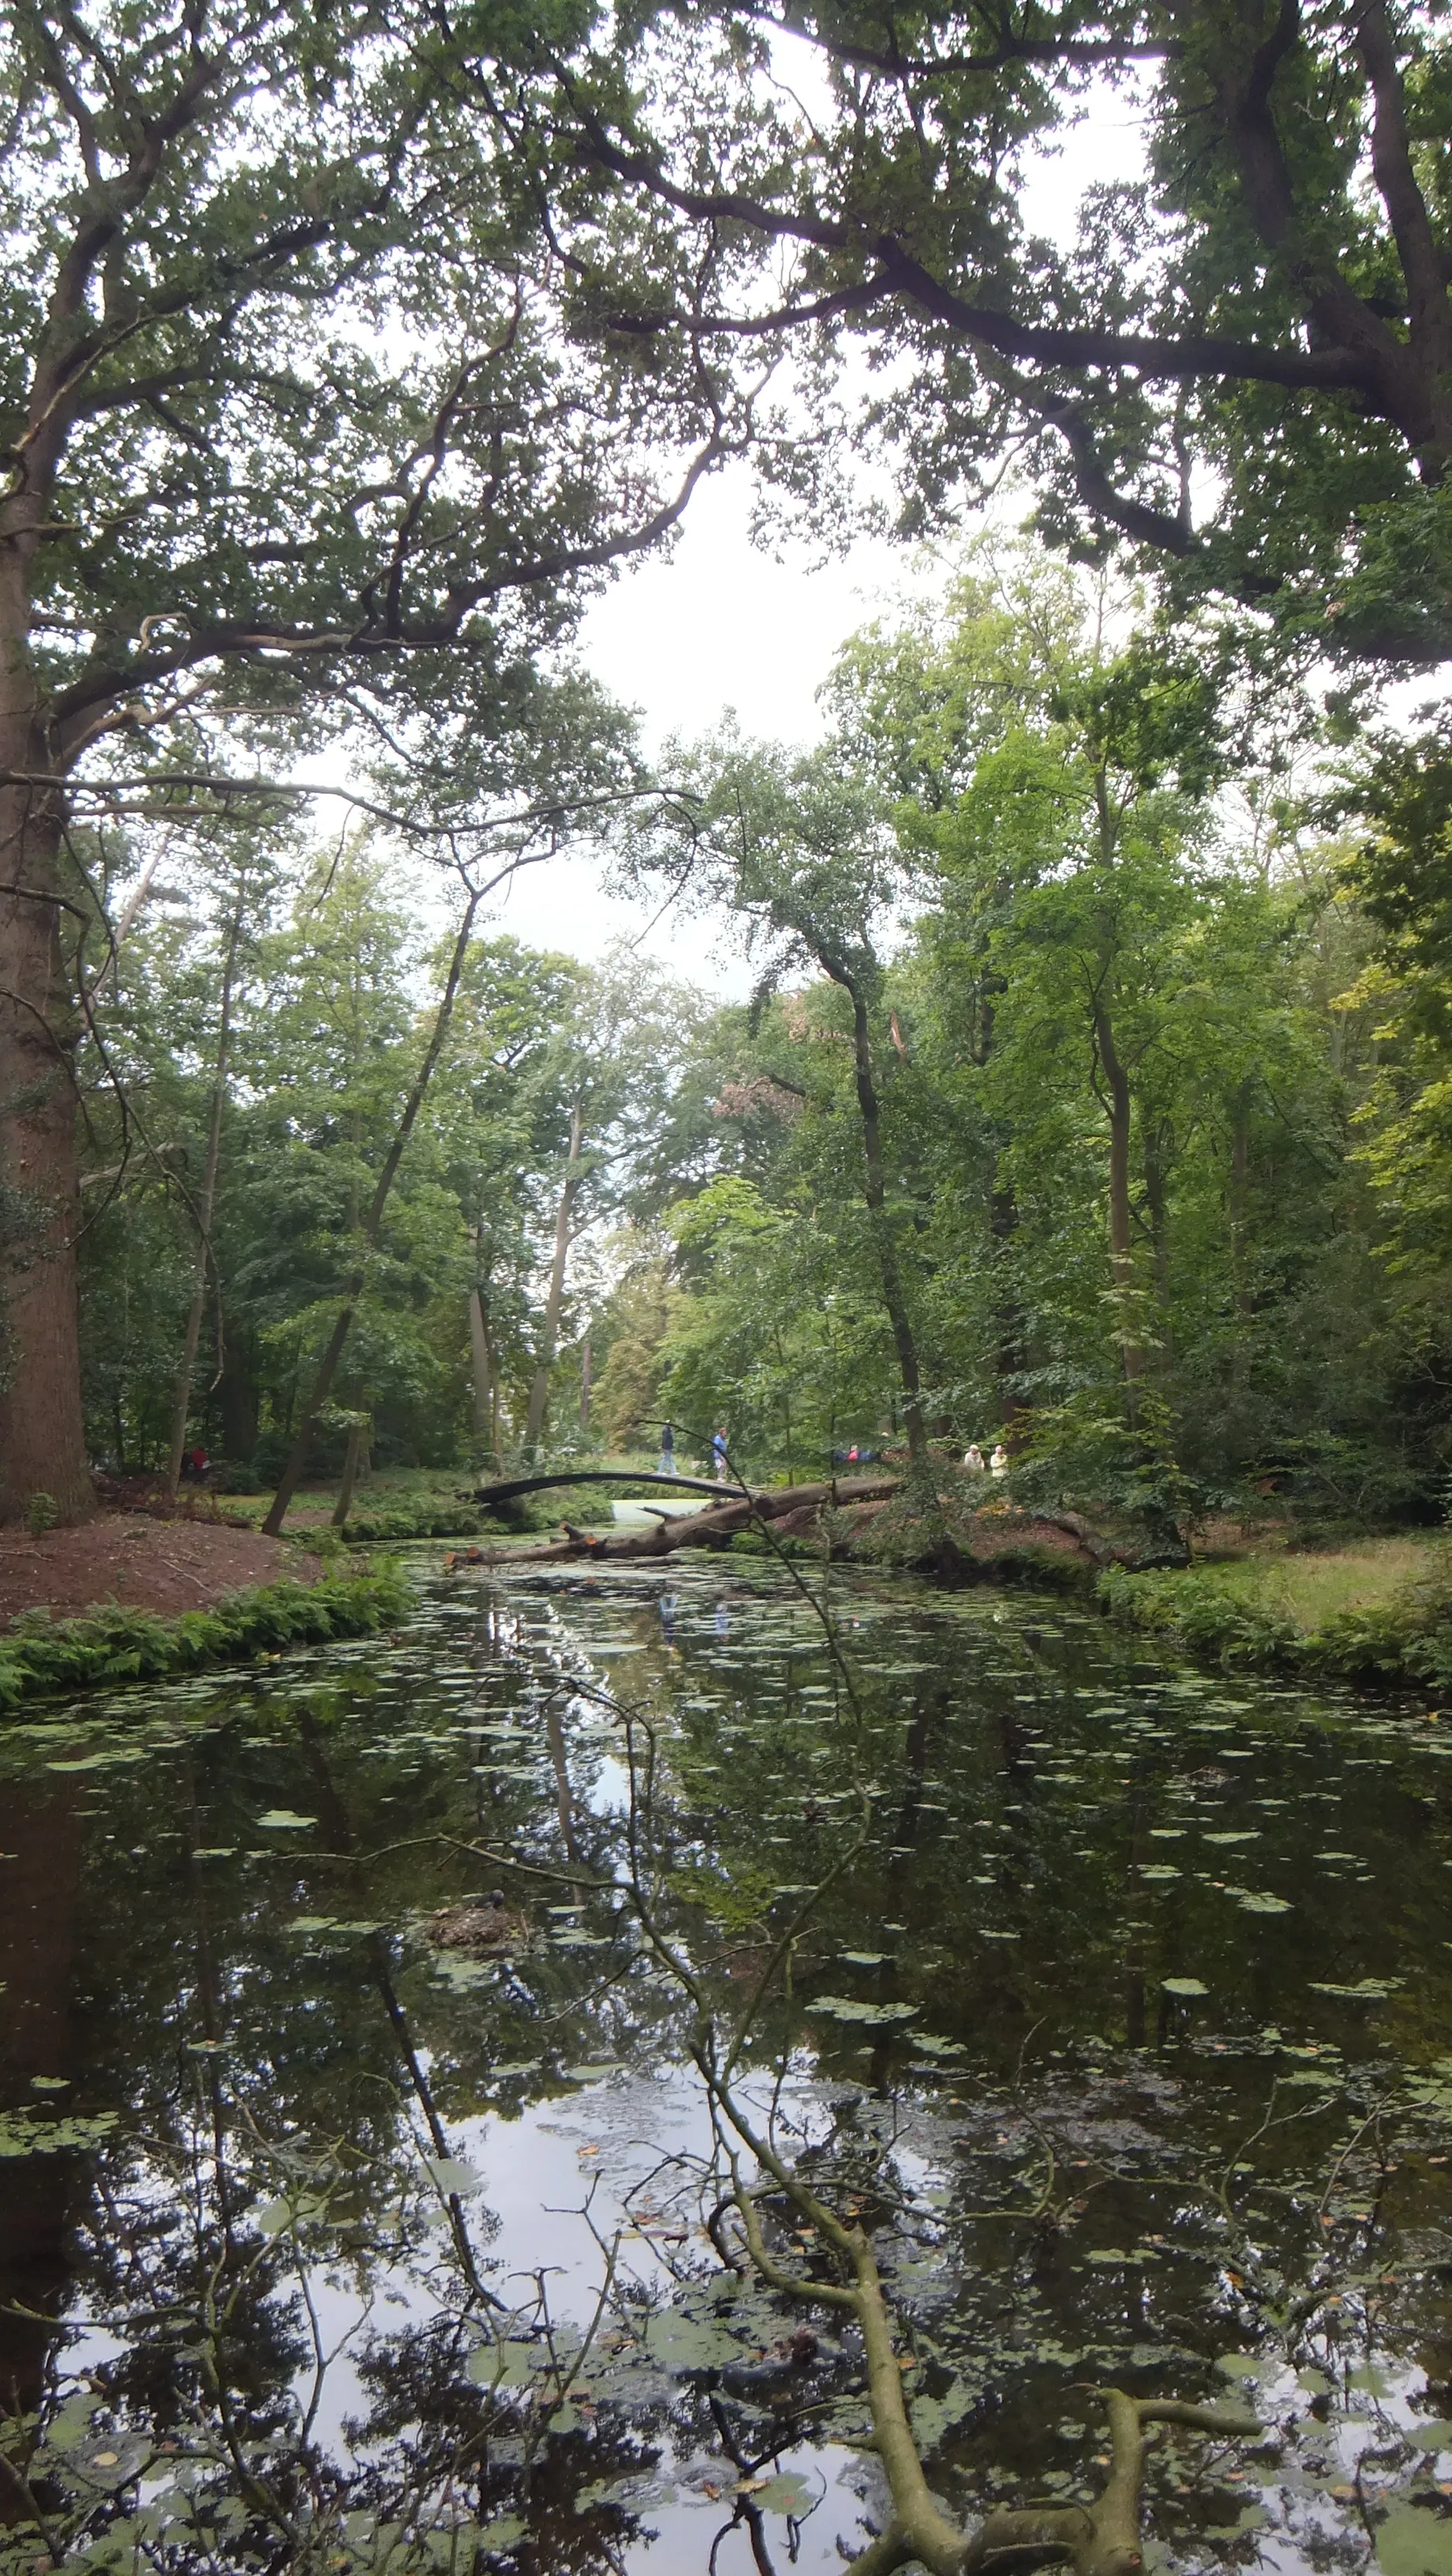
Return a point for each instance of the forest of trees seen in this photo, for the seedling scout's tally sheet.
(1095, 1084)
(1156, 1081)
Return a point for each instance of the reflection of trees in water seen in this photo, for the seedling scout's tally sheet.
(39, 1878)
(322, 2083)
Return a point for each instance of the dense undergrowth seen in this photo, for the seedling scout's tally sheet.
(114, 1645)
(1207, 1611)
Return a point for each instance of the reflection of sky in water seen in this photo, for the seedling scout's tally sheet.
(1103, 1819)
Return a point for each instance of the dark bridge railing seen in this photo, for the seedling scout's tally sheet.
(505, 1492)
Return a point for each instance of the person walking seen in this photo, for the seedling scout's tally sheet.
(998, 1463)
(667, 1450)
(718, 1452)
(973, 1459)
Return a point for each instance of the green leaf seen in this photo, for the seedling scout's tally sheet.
(1184, 1986)
(845, 2008)
(451, 2176)
(1414, 2542)
(1370, 1990)
(286, 1820)
(787, 2493)
(509, 2364)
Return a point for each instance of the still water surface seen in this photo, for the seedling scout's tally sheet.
(1128, 2028)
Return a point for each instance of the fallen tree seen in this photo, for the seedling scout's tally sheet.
(801, 1511)
(791, 1510)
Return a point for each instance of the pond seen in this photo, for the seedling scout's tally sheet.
(353, 2219)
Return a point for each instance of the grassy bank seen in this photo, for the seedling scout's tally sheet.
(1380, 1612)
(110, 1646)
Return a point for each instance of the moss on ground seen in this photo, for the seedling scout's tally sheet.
(111, 1645)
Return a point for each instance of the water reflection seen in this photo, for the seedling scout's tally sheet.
(1103, 2027)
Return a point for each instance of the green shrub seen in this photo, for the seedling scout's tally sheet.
(1406, 1639)
(430, 1518)
(41, 1514)
(115, 1645)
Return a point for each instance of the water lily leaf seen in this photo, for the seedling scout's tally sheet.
(1256, 1904)
(1431, 2437)
(1413, 2542)
(681, 2342)
(1184, 1986)
(846, 2008)
(1370, 1990)
(286, 1820)
(502, 2532)
(508, 2364)
(1245, 1834)
(451, 2176)
(787, 2493)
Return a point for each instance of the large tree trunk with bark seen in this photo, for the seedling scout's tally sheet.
(42, 1429)
(539, 1393)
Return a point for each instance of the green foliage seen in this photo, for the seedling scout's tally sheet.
(1407, 1640)
(41, 1514)
(116, 1645)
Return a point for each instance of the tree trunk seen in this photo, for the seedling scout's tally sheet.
(1239, 1188)
(181, 1404)
(42, 1427)
(874, 1191)
(1007, 1310)
(585, 1386)
(539, 1393)
(321, 1387)
(237, 1395)
(1154, 1191)
(353, 1458)
(481, 1355)
(1121, 1243)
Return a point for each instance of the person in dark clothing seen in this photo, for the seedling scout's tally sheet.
(667, 1450)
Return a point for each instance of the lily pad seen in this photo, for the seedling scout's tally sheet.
(1414, 2542)
(454, 2177)
(1184, 1986)
(846, 2008)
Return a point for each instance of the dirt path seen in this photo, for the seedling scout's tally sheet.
(142, 1564)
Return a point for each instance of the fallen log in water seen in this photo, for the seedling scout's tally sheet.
(797, 1505)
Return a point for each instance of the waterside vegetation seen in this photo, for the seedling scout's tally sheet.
(112, 1645)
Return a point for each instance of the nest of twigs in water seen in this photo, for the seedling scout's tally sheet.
(480, 1926)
